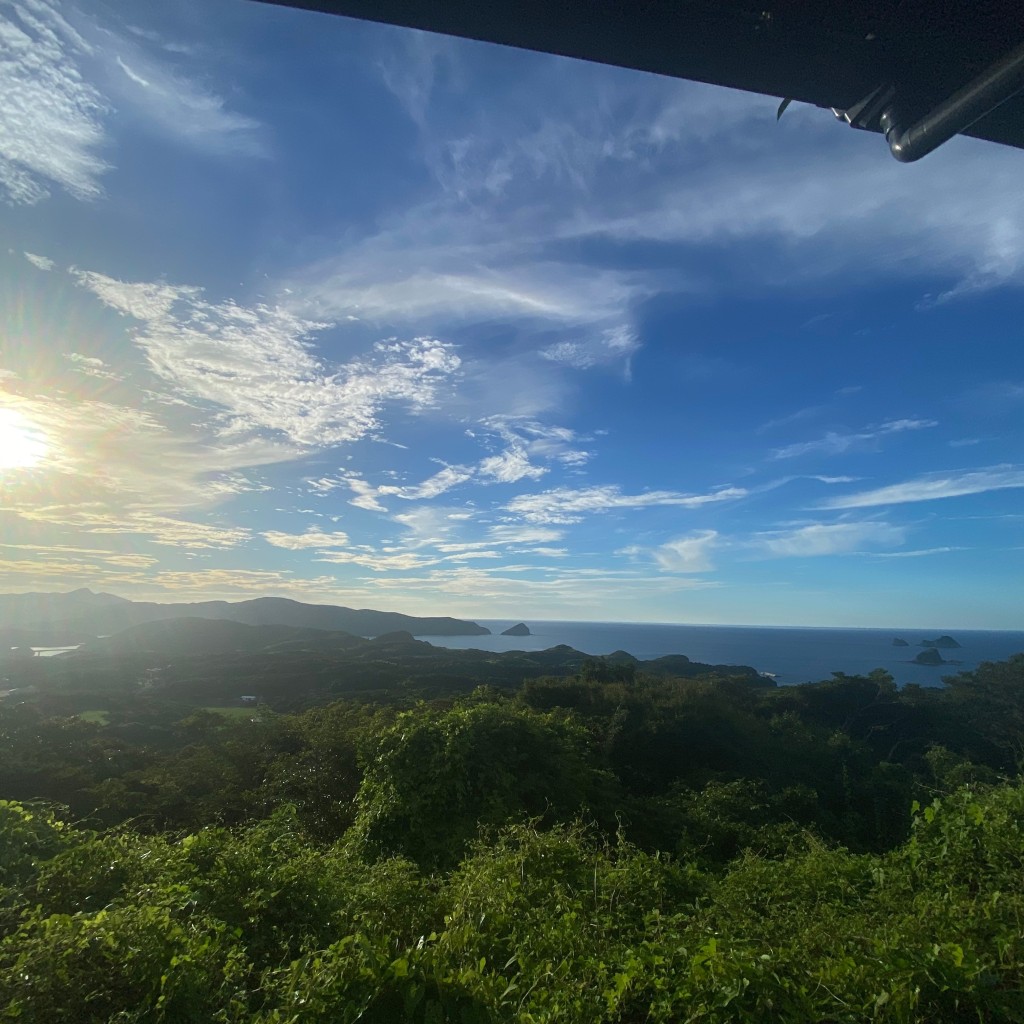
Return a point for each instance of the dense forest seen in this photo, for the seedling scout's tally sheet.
(605, 845)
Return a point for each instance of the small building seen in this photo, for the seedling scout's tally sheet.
(249, 701)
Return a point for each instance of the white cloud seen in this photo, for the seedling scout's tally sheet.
(565, 505)
(572, 353)
(533, 439)
(919, 553)
(164, 530)
(933, 487)
(608, 346)
(888, 221)
(92, 362)
(210, 583)
(40, 262)
(378, 562)
(829, 539)
(835, 444)
(131, 560)
(93, 366)
(692, 553)
(508, 466)
(51, 130)
(365, 494)
(432, 524)
(546, 589)
(309, 539)
(511, 465)
(505, 535)
(65, 86)
(137, 79)
(256, 365)
(383, 279)
(516, 534)
(447, 478)
(325, 484)
(179, 106)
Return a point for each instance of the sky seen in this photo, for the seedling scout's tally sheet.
(302, 306)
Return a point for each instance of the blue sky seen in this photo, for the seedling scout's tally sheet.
(303, 306)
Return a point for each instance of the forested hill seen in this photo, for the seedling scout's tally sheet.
(63, 616)
(208, 661)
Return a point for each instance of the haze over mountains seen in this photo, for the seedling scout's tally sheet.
(201, 661)
(67, 618)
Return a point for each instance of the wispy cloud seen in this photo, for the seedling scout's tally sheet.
(806, 413)
(432, 487)
(309, 539)
(545, 589)
(836, 444)
(93, 366)
(173, 103)
(933, 487)
(40, 262)
(473, 272)
(255, 364)
(690, 553)
(165, 530)
(612, 345)
(378, 561)
(230, 583)
(70, 82)
(521, 438)
(790, 204)
(919, 553)
(511, 465)
(131, 560)
(829, 539)
(544, 441)
(565, 505)
(51, 117)
(368, 496)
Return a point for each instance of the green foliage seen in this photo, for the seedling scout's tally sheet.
(840, 853)
(139, 963)
(435, 776)
(534, 925)
(550, 921)
(28, 834)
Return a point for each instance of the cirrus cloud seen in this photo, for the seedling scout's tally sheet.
(565, 505)
(934, 487)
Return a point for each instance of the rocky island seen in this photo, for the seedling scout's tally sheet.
(898, 641)
(520, 629)
(930, 657)
(944, 641)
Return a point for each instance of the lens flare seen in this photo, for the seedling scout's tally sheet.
(22, 443)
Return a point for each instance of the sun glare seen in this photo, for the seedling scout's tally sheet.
(22, 443)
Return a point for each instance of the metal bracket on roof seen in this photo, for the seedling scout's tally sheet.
(994, 86)
(865, 114)
(880, 109)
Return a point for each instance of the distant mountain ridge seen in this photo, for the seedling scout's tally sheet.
(58, 615)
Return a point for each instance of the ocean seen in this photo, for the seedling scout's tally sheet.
(790, 654)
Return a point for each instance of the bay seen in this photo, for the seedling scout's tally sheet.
(791, 654)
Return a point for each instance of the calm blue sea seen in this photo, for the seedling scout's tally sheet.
(792, 655)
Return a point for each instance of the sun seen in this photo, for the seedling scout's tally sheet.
(22, 443)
